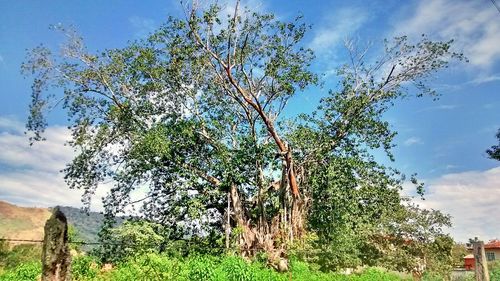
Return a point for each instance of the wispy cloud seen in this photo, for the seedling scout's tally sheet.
(47, 156)
(142, 26)
(30, 174)
(331, 32)
(486, 79)
(440, 107)
(446, 107)
(412, 141)
(451, 167)
(471, 198)
(473, 24)
(481, 78)
(491, 105)
(10, 124)
(335, 28)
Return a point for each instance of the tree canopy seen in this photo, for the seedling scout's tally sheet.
(193, 116)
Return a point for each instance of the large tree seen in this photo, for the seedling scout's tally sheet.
(193, 116)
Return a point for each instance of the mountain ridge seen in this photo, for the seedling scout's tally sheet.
(27, 223)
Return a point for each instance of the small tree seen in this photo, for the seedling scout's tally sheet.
(459, 251)
(130, 239)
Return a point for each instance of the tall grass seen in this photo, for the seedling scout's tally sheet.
(199, 268)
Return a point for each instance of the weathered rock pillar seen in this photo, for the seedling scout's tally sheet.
(56, 258)
(481, 265)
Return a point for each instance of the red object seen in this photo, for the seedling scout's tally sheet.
(493, 244)
(469, 262)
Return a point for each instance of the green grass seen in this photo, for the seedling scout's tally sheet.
(207, 268)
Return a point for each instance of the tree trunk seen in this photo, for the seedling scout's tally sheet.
(228, 220)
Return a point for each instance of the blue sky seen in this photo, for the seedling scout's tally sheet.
(443, 141)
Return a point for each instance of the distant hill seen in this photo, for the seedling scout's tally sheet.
(87, 225)
(27, 223)
(22, 223)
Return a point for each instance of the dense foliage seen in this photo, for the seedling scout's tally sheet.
(193, 116)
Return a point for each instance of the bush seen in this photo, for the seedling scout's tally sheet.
(202, 268)
(84, 268)
(148, 267)
(494, 269)
(24, 272)
(21, 254)
(375, 274)
(236, 269)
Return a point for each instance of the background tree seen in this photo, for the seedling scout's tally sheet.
(193, 115)
(414, 242)
(459, 251)
(134, 238)
(494, 151)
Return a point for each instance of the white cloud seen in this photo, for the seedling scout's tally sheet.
(10, 124)
(472, 198)
(445, 107)
(335, 28)
(30, 174)
(486, 79)
(37, 188)
(474, 25)
(48, 156)
(142, 26)
(440, 107)
(412, 141)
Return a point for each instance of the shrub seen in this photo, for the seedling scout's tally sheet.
(376, 274)
(24, 272)
(494, 269)
(147, 267)
(21, 254)
(236, 269)
(84, 268)
(202, 268)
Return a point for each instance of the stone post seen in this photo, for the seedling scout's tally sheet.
(481, 265)
(56, 258)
